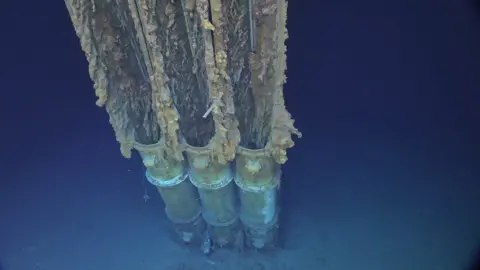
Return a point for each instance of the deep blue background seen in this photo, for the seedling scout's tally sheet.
(360, 73)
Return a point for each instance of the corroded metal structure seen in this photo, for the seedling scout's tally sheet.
(196, 87)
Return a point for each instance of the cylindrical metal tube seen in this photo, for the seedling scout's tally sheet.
(217, 194)
(258, 177)
(178, 195)
(169, 175)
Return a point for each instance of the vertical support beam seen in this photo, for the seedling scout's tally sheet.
(100, 40)
(137, 21)
(167, 115)
(252, 27)
(263, 68)
(229, 133)
(227, 136)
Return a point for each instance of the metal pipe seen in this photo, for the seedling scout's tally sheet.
(252, 27)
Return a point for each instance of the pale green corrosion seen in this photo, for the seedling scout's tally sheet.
(217, 193)
(258, 178)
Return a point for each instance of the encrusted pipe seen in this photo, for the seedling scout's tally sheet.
(217, 194)
(169, 175)
(258, 177)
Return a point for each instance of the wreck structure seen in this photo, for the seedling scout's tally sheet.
(196, 88)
